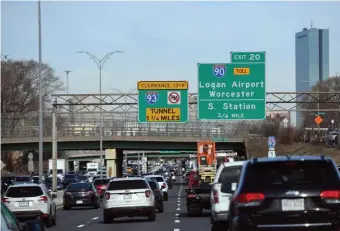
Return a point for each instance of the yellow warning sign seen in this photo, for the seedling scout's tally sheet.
(163, 85)
(242, 71)
(163, 114)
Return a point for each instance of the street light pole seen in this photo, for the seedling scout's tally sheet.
(41, 129)
(67, 71)
(100, 63)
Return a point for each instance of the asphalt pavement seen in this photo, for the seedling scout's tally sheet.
(174, 218)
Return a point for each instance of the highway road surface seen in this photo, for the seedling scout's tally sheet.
(174, 218)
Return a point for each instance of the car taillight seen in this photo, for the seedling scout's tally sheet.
(215, 197)
(191, 196)
(43, 198)
(147, 193)
(250, 198)
(103, 187)
(331, 196)
(4, 200)
(107, 196)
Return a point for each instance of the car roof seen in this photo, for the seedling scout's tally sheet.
(235, 163)
(24, 184)
(153, 176)
(125, 179)
(290, 158)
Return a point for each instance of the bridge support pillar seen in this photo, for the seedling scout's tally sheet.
(114, 161)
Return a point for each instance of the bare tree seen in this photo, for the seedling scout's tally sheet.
(330, 86)
(20, 90)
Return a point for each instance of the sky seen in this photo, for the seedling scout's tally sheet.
(162, 40)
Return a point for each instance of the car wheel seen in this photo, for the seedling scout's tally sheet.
(152, 216)
(54, 221)
(161, 208)
(48, 221)
(107, 217)
(166, 196)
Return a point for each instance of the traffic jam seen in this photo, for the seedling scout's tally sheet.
(239, 193)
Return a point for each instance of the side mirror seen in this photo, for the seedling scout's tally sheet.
(233, 187)
(34, 225)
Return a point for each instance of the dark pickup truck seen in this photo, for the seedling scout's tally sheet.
(197, 195)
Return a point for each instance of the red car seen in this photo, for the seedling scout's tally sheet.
(101, 184)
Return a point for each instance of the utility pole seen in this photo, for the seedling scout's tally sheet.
(67, 71)
(41, 128)
(100, 63)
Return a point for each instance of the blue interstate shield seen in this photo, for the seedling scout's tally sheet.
(151, 97)
(271, 141)
(219, 70)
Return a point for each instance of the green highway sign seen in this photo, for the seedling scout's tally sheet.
(248, 57)
(231, 91)
(163, 101)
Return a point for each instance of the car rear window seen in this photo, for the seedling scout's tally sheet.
(86, 186)
(153, 185)
(158, 179)
(101, 181)
(228, 176)
(18, 192)
(290, 175)
(22, 178)
(127, 184)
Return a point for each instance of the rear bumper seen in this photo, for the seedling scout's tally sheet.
(130, 211)
(30, 215)
(310, 221)
(221, 216)
(79, 202)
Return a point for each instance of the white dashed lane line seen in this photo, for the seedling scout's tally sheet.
(79, 226)
(88, 222)
(176, 229)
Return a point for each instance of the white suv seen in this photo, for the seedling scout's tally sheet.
(162, 184)
(31, 201)
(129, 197)
(225, 183)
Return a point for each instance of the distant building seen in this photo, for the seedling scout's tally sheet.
(311, 61)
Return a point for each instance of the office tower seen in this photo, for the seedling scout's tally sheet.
(311, 61)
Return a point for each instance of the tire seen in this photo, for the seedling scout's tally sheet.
(161, 208)
(54, 221)
(107, 217)
(48, 221)
(152, 216)
(166, 196)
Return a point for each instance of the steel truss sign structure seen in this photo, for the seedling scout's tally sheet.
(127, 103)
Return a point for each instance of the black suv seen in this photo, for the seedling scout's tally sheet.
(287, 193)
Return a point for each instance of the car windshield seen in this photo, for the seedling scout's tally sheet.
(128, 184)
(18, 192)
(80, 186)
(291, 174)
(101, 181)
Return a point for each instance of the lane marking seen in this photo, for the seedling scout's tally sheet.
(176, 229)
(177, 221)
(178, 209)
(177, 214)
(95, 218)
(178, 204)
(79, 226)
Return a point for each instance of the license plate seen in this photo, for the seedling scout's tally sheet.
(293, 204)
(204, 195)
(128, 197)
(23, 204)
(79, 202)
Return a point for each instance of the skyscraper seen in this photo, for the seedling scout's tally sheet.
(311, 61)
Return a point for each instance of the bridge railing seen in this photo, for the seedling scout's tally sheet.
(88, 124)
